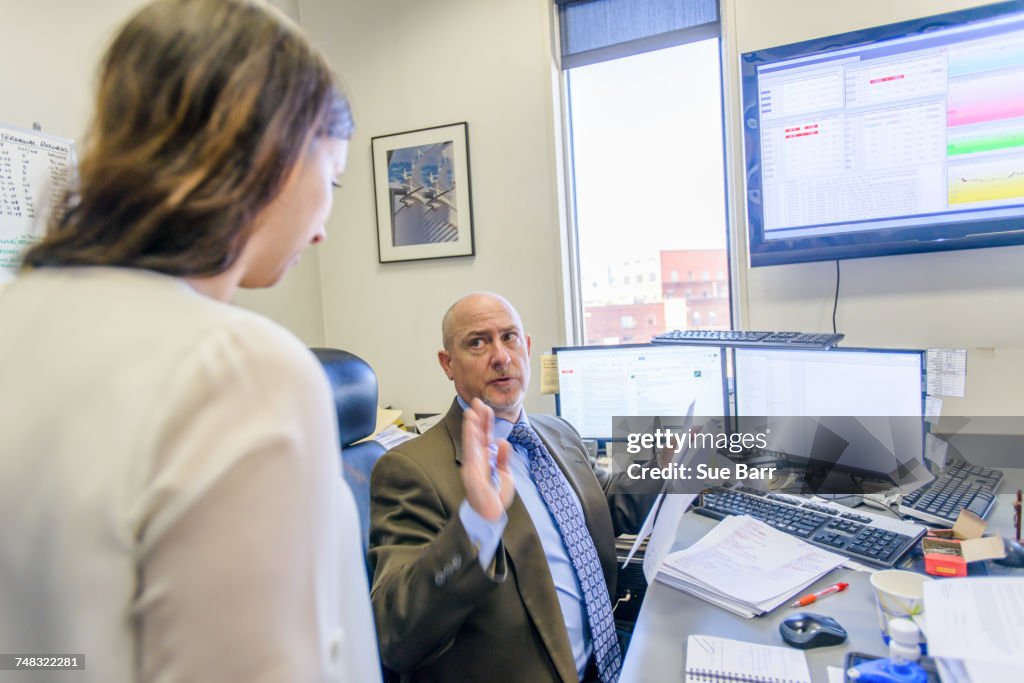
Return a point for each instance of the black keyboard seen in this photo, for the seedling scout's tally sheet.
(775, 340)
(868, 538)
(960, 486)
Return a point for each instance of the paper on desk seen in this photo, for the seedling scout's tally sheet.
(425, 423)
(978, 618)
(835, 674)
(760, 562)
(392, 436)
(665, 530)
(979, 672)
(747, 567)
(973, 671)
(645, 530)
(662, 521)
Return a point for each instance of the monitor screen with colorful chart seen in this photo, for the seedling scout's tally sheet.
(895, 139)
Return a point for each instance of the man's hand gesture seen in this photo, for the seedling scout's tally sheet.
(489, 489)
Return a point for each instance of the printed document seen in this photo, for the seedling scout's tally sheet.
(977, 618)
(747, 567)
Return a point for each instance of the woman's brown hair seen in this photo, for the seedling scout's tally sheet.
(204, 107)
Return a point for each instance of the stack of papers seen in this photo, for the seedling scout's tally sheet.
(747, 567)
(976, 628)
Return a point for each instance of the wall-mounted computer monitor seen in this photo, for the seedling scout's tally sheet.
(896, 139)
(867, 406)
(597, 383)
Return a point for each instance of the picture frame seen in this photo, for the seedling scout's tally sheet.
(423, 197)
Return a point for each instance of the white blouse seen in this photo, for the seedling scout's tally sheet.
(170, 490)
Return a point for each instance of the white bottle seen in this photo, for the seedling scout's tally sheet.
(904, 639)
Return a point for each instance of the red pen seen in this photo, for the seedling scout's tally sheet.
(808, 599)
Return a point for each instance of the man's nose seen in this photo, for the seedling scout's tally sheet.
(500, 358)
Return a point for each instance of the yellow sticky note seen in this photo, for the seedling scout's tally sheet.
(549, 374)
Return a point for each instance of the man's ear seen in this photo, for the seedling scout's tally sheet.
(445, 359)
(529, 344)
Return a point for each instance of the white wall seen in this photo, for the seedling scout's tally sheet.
(48, 56)
(411, 65)
(963, 299)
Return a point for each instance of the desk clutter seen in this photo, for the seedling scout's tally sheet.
(973, 628)
(746, 567)
(975, 635)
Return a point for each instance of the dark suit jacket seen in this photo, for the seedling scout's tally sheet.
(440, 617)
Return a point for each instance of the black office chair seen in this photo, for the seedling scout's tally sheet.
(355, 398)
(354, 384)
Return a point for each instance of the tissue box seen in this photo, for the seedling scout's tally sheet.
(947, 551)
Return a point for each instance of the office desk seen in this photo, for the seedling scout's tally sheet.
(657, 651)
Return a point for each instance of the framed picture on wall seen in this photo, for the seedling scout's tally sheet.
(421, 183)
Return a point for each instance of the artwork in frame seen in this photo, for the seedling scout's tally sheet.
(421, 182)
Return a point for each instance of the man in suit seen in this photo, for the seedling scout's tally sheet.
(496, 563)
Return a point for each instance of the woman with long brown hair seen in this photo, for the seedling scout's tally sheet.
(169, 475)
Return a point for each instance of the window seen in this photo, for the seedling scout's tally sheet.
(647, 163)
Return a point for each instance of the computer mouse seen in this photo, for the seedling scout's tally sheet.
(805, 630)
(1014, 554)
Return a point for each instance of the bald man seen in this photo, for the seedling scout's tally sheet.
(491, 537)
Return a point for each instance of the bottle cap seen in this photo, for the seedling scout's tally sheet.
(904, 631)
(904, 637)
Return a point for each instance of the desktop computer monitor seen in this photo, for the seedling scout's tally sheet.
(597, 383)
(887, 139)
(854, 411)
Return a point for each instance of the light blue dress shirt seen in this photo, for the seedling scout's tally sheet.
(486, 534)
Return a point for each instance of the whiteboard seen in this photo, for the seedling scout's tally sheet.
(35, 169)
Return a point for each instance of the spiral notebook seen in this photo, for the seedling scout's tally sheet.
(714, 660)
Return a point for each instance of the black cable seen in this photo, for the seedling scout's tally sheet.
(835, 304)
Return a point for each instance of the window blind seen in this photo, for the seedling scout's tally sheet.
(598, 30)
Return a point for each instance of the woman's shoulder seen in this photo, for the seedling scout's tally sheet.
(234, 336)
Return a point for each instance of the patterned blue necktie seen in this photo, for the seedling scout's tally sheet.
(580, 546)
